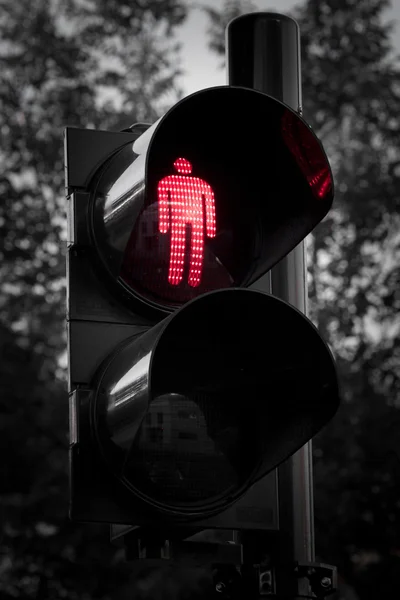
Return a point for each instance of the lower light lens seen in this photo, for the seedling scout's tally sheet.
(188, 450)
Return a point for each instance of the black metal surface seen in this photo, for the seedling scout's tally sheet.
(263, 53)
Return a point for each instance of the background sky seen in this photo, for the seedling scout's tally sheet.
(202, 66)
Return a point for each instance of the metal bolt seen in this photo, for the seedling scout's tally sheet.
(326, 582)
(219, 587)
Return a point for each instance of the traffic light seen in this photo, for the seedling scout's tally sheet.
(187, 387)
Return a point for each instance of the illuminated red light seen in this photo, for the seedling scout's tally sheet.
(183, 166)
(308, 154)
(186, 200)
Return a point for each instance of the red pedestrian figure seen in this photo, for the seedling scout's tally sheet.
(186, 200)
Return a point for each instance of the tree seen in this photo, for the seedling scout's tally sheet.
(353, 272)
(218, 20)
(66, 63)
(351, 91)
(103, 64)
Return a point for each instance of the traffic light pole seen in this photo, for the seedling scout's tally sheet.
(263, 53)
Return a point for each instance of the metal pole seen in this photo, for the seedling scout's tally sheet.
(263, 53)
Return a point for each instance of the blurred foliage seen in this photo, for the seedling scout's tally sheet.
(351, 94)
(92, 63)
(218, 19)
(66, 62)
(352, 98)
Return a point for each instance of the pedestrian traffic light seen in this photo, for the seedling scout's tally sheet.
(187, 387)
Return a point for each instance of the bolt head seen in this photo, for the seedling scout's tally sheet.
(326, 582)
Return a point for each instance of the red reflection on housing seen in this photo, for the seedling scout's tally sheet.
(308, 154)
(185, 200)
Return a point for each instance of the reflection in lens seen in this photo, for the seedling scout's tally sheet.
(187, 450)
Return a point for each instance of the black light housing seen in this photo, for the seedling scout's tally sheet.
(193, 412)
(269, 175)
